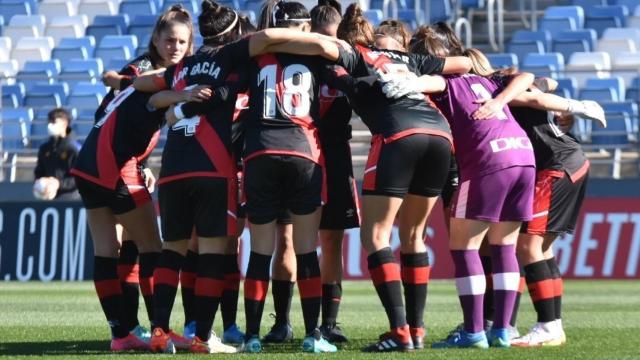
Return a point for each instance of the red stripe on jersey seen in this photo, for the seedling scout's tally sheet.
(233, 77)
(310, 288)
(369, 181)
(182, 83)
(152, 145)
(581, 172)
(209, 287)
(108, 171)
(232, 206)
(541, 290)
(378, 62)
(414, 131)
(280, 152)
(542, 201)
(107, 288)
(215, 149)
(255, 290)
(385, 273)
(166, 179)
(326, 99)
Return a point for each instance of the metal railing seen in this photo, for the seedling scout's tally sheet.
(495, 9)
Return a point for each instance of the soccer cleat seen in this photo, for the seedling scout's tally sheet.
(129, 342)
(141, 333)
(464, 339)
(179, 341)
(333, 333)
(233, 335)
(251, 345)
(541, 334)
(513, 332)
(315, 343)
(455, 331)
(279, 333)
(499, 338)
(212, 346)
(389, 342)
(161, 342)
(189, 330)
(417, 337)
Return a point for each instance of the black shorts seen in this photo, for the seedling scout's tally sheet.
(341, 210)
(206, 204)
(274, 184)
(450, 187)
(122, 199)
(417, 164)
(556, 203)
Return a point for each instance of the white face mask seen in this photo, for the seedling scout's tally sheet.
(56, 129)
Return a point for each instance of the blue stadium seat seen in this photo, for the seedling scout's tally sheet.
(616, 83)
(632, 34)
(440, 10)
(74, 48)
(600, 18)
(374, 16)
(8, 8)
(410, 17)
(42, 101)
(619, 130)
(568, 84)
(1, 24)
(13, 95)
(234, 4)
(121, 21)
(633, 91)
(527, 35)
(113, 46)
(75, 71)
(191, 5)
(84, 101)
(557, 24)
(588, 3)
(627, 107)
(504, 60)
(142, 25)
(116, 64)
(476, 4)
(138, 7)
(548, 65)
(574, 12)
(93, 8)
(16, 128)
(59, 88)
(82, 128)
(35, 72)
(523, 48)
(66, 54)
(88, 88)
(100, 31)
(569, 42)
(52, 9)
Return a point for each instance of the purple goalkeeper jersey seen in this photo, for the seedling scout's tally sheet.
(482, 146)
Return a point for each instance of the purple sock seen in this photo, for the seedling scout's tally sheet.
(471, 285)
(506, 279)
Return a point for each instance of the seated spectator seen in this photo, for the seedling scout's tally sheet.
(55, 159)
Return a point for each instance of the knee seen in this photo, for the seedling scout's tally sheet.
(110, 249)
(179, 246)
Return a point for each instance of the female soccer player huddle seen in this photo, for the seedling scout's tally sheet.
(278, 102)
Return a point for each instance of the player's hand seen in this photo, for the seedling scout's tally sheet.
(51, 188)
(490, 109)
(149, 180)
(170, 116)
(198, 93)
(565, 121)
(111, 79)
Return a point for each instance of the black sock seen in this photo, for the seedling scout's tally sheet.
(385, 275)
(165, 287)
(540, 284)
(128, 273)
(148, 262)
(107, 284)
(209, 285)
(488, 308)
(310, 289)
(229, 302)
(558, 287)
(282, 292)
(415, 279)
(187, 285)
(331, 297)
(256, 285)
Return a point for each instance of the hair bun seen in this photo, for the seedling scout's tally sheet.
(209, 5)
(354, 11)
(331, 3)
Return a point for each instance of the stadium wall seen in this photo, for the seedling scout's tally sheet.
(45, 241)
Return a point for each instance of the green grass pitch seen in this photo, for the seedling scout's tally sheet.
(64, 320)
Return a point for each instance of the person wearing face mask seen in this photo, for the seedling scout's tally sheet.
(55, 159)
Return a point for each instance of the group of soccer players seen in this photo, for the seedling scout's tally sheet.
(269, 110)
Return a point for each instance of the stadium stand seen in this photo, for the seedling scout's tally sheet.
(53, 52)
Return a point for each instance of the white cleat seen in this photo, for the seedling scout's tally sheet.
(212, 346)
(541, 334)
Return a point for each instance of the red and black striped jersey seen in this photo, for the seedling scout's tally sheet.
(120, 139)
(394, 118)
(137, 66)
(284, 110)
(201, 145)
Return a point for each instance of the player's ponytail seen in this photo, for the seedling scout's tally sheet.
(480, 65)
(176, 14)
(453, 42)
(279, 13)
(428, 42)
(325, 14)
(395, 29)
(218, 24)
(355, 28)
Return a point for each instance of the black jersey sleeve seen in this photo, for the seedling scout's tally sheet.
(348, 58)
(337, 77)
(220, 95)
(237, 52)
(168, 75)
(427, 64)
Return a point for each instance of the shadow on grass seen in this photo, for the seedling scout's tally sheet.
(54, 348)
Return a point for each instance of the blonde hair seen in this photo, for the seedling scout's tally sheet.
(480, 65)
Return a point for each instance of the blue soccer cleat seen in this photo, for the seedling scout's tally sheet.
(251, 346)
(141, 333)
(315, 343)
(464, 339)
(499, 338)
(233, 335)
(189, 330)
